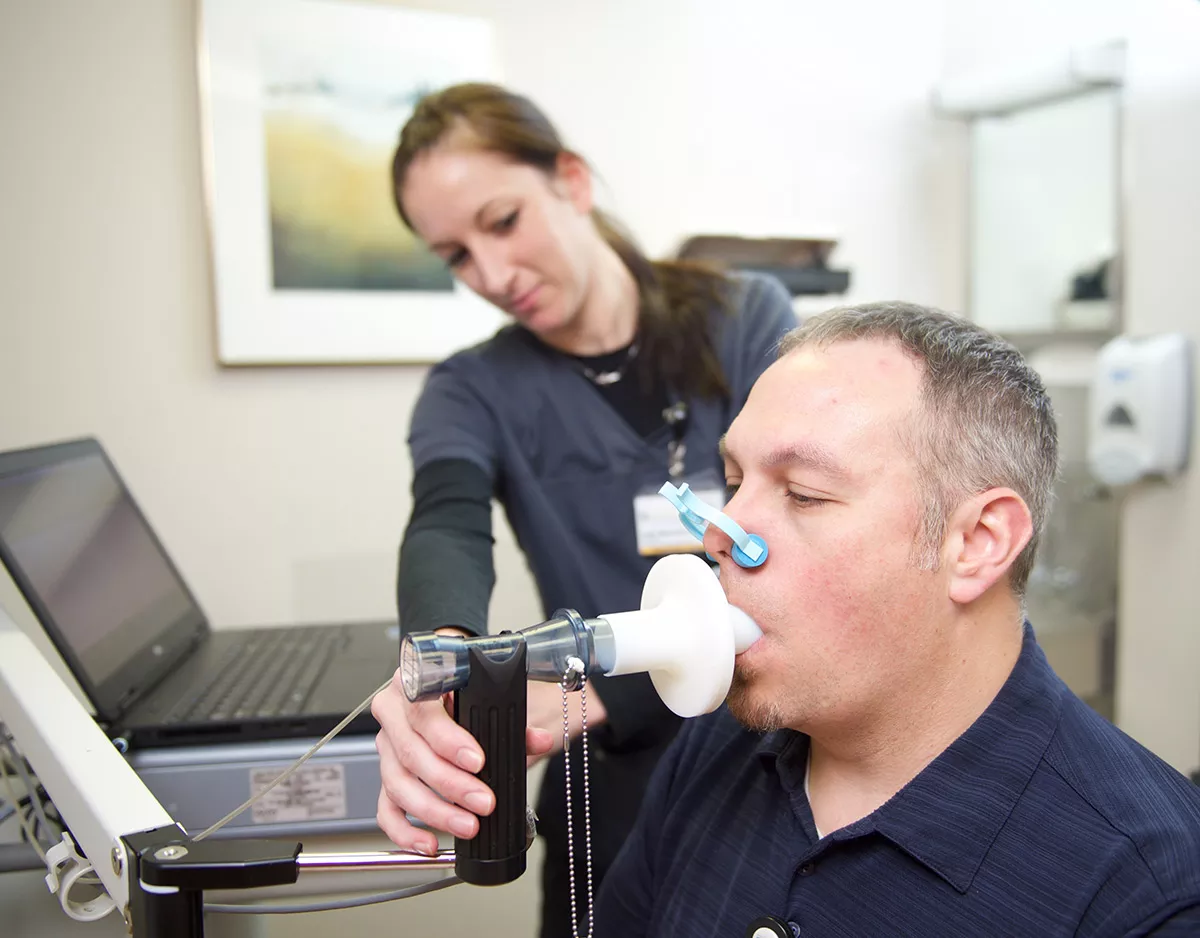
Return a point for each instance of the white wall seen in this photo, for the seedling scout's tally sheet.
(980, 35)
(1158, 655)
(1158, 667)
(282, 493)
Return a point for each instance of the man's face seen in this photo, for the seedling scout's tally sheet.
(821, 473)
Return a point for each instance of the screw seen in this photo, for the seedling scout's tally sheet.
(118, 860)
(172, 852)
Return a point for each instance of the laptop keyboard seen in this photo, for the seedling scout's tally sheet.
(269, 674)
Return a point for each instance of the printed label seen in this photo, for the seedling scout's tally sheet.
(312, 793)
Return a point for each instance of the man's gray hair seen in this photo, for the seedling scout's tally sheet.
(985, 420)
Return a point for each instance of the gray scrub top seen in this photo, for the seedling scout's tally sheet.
(564, 464)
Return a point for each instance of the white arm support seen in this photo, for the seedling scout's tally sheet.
(98, 795)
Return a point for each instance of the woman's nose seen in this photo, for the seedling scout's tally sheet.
(495, 274)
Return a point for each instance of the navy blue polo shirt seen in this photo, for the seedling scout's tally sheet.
(1042, 819)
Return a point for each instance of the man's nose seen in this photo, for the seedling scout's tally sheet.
(717, 543)
(745, 548)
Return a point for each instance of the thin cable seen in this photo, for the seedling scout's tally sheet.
(89, 911)
(251, 908)
(25, 825)
(19, 765)
(87, 878)
(290, 770)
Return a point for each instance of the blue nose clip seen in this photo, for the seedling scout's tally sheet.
(749, 550)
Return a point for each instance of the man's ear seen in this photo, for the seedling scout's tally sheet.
(573, 179)
(984, 537)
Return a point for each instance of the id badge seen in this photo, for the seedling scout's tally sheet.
(659, 530)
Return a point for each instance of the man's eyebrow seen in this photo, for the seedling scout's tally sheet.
(809, 455)
(723, 451)
(801, 454)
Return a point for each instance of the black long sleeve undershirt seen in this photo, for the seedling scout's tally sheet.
(446, 573)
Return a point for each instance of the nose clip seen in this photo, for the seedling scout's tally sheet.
(749, 550)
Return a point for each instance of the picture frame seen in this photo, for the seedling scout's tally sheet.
(301, 105)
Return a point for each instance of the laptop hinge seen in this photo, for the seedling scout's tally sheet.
(126, 699)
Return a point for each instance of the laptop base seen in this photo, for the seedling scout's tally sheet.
(334, 792)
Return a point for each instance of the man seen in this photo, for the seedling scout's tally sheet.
(896, 756)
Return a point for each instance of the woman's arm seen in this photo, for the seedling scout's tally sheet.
(427, 762)
(446, 571)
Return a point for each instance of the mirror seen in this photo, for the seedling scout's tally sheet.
(1044, 229)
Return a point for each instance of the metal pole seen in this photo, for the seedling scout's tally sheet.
(381, 860)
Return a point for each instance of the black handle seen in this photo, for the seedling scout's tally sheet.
(492, 707)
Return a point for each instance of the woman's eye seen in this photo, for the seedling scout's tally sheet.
(507, 223)
(456, 259)
(805, 501)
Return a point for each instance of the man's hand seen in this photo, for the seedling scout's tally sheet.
(427, 764)
(546, 712)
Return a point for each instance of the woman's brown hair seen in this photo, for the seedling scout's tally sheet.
(677, 297)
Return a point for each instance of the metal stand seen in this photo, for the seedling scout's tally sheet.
(173, 872)
(153, 871)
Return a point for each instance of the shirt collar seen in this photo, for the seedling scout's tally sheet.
(785, 752)
(948, 816)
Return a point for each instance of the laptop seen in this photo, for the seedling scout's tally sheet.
(117, 609)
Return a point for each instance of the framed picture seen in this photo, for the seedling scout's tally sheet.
(302, 102)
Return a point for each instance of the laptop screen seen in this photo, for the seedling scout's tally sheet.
(90, 566)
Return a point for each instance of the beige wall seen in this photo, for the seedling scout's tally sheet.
(282, 492)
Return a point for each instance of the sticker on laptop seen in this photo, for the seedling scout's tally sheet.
(312, 793)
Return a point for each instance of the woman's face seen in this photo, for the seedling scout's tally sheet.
(521, 239)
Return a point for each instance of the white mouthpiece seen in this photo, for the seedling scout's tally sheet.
(686, 635)
(745, 630)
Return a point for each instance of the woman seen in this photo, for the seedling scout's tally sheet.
(617, 374)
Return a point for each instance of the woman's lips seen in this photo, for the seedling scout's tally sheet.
(527, 301)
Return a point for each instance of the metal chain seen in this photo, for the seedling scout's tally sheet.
(576, 667)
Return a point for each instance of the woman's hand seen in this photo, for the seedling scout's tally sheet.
(546, 712)
(427, 764)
